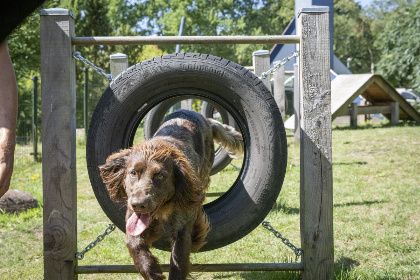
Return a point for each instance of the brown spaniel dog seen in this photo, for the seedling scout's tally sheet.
(163, 180)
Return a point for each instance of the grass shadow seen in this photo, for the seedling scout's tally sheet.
(350, 163)
(360, 203)
(346, 264)
(271, 275)
(283, 208)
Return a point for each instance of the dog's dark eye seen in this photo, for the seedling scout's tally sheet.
(133, 174)
(160, 176)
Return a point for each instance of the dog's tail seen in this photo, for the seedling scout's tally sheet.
(228, 138)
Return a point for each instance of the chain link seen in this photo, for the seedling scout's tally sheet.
(278, 65)
(112, 227)
(81, 255)
(78, 56)
(298, 251)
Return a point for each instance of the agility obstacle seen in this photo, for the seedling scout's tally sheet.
(59, 142)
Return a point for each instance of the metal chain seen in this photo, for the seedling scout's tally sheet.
(235, 167)
(81, 255)
(298, 251)
(276, 67)
(78, 56)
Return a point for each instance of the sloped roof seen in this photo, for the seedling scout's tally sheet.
(374, 88)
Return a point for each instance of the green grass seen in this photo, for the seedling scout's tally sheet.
(376, 215)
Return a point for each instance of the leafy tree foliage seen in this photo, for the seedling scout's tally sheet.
(400, 47)
(353, 36)
(93, 17)
(223, 17)
(385, 34)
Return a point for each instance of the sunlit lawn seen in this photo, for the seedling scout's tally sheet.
(376, 215)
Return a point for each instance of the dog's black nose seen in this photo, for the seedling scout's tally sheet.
(139, 204)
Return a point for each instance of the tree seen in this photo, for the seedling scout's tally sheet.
(400, 47)
(353, 36)
(93, 17)
(224, 17)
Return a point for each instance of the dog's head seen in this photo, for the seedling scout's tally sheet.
(147, 176)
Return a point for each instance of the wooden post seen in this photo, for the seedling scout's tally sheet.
(316, 187)
(279, 91)
(395, 113)
(86, 100)
(362, 118)
(118, 63)
(58, 144)
(180, 31)
(353, 115)
(296, 102)
(261, 62)
(186, 104)
(35, 118)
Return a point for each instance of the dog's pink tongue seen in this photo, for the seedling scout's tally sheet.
(137, 223)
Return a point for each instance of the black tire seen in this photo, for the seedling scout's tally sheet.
(128, 99)
(155, 116)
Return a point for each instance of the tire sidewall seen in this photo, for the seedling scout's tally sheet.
(240, 92)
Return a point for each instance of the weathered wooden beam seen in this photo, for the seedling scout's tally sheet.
(362, 117)
(279, 91)
(196, 268)
(58, 144)
(296, 102)
(187, 104)
(261, 63)
(353, 115)
(316, 187)
(410, 110)
(366, 110)
(118, 63)
(173, 40)
(395, 113)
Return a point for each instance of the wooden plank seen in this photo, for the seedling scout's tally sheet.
(279, 91)
(118, 63)
(345, 88)
(395, 113)
(367, 110)
(196, 268)
(362, 117)
(186, 104)
(374, 88)
(261, 63)
(316, 187)
(395, 96)
(296, 102)
(58, 144)
(353, 115)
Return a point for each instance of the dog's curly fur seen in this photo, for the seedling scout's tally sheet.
(163, 180)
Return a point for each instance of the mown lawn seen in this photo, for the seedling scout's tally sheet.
(376, 215)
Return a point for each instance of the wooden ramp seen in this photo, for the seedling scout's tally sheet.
(374, 88)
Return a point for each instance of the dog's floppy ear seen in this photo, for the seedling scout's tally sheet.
(188, 190)
(113, 175)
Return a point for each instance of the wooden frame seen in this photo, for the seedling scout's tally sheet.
(354, 111)
(59, 153)
(316, 193)
(58, 89)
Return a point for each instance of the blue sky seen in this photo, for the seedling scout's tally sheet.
(364, 3)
